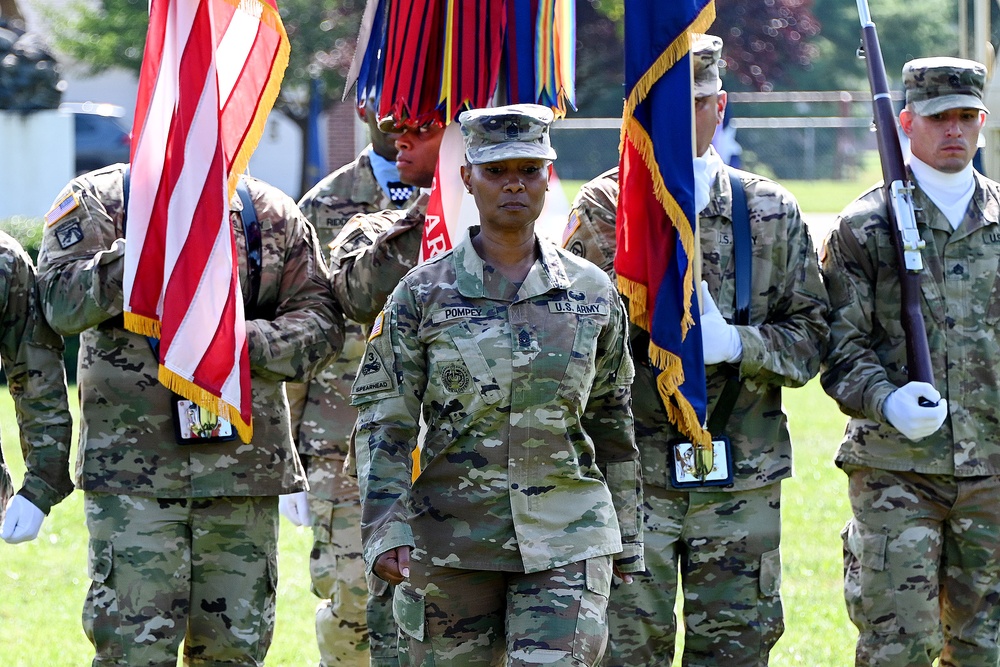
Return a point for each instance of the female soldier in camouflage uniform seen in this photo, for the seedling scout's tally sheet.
(513, 353)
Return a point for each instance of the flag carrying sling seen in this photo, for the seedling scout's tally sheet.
(210, 74)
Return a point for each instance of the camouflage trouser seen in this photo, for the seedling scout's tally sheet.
(922, 568)
(472, 618)
(348, 618)
(726, 546)
(6, 489)
(200, 570)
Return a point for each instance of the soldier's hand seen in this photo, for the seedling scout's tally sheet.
(624, 576)
(393, 565)
(911, 417)
(21, 521)
(295, 507)
(719, 339)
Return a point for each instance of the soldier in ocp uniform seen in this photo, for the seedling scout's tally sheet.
(183, 533)
(375, 250)
(352, 627)
(513, 353)
(922, 551)
(32, 356)
(723, 539)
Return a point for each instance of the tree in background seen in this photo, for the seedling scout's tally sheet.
(112, 33)
(906, 28)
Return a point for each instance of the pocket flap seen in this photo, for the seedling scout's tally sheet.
(408, 611)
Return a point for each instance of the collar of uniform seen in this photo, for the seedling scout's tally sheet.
(720, 201)
(546, 274)
(365, 188)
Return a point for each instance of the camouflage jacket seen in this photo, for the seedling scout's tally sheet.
(127, 440)
(372, 253)
(782, 345)
(528, 459)
(323, 426)
(32, 357)
(960, 288)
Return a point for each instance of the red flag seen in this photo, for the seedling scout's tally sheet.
(210, 74)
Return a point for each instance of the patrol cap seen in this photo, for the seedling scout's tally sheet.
(706, 50)
(934, 85)
(505, 133)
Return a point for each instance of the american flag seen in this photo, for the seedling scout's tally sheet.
(210, 74)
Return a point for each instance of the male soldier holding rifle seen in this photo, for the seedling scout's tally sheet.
(922, 551)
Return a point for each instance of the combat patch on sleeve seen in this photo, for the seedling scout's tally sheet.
(372, 376)
(69, 233)
(59, 211)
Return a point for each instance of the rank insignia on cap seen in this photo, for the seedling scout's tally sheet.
(68, 203)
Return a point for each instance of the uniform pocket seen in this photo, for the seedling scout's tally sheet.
(867, 583)
(770, 573)
(408, 611)
(591, 638)
(101, 620)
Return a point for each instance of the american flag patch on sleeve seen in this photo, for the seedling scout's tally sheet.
(377, 326)
(68, 203)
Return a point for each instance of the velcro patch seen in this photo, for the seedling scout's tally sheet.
(377, 326)
(69, 233)
(457, 313)
(59, 211)
(578, 308)
(372, 376)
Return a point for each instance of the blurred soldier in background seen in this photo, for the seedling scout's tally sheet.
(32, 356)
(374, 251)
(349, 621)
(183, 530)
(724, 540)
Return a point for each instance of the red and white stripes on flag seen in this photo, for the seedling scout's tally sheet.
(210, 74)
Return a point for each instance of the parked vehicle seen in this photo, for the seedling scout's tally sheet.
(100, 136)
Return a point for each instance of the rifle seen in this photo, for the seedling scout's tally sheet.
(899, 197)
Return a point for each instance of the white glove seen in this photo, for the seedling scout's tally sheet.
(295, 507)
(21, 521)
(902, 409)
(719, 339)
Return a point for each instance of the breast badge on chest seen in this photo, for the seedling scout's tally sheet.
(456, 379)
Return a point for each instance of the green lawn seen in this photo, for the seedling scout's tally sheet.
(817, 196)
(43, 583)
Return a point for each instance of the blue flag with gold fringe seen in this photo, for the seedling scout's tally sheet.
(656, 228)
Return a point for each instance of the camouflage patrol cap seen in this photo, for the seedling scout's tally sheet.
(505, 133)
(934, 85)
(706, 50)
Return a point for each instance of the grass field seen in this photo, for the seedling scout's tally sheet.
(43, 583)
(815, 196)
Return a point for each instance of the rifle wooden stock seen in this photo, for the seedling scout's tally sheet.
(899, 205)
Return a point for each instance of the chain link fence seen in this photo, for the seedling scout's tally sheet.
(804, 135)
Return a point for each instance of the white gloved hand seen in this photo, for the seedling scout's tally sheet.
(295, 507)
(704, 174)
(902, 409)
(22, 520)
(719, 339)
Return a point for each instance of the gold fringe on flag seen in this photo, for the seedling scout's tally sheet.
(201, 397)
(142, 325)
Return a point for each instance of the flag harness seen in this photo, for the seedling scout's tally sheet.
(682, 453)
